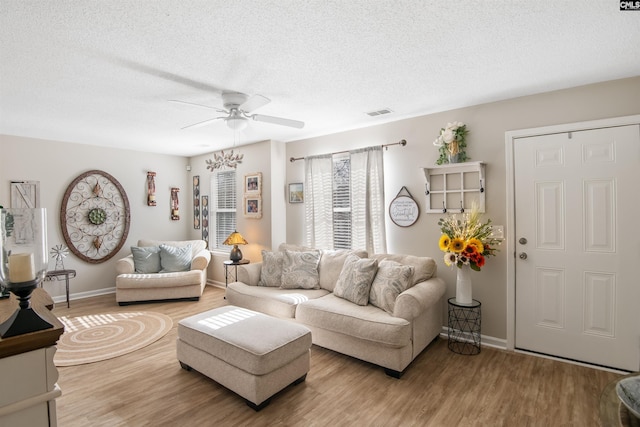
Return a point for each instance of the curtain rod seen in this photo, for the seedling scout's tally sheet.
(386, 146)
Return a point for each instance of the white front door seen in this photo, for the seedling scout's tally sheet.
(577, 213)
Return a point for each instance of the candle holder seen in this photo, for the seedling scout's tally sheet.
(23, 265)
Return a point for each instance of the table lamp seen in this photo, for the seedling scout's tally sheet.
(235, 239)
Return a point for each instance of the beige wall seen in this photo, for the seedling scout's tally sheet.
(57, 164)
(266, 157)
(487, 124)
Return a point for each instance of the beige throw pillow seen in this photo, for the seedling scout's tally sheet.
(392, 279)
(271, 271)
(355, 279)
(300, 270)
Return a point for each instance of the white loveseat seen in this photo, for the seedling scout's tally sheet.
(388, 339)
(133, 286)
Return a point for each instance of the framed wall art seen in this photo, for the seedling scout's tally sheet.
(252, 207)
(253, 183)
(296, 192)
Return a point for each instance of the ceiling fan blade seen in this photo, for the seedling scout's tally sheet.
(175, 101)
(278, 121)
(253, 103)
(206, 122)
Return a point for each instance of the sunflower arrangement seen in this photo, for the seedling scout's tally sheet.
(467, 240)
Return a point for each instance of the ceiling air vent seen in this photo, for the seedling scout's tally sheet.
(379, 112)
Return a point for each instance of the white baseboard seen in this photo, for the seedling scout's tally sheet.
(81, 295)
(485, 340)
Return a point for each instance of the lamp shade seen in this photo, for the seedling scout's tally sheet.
(235, 238)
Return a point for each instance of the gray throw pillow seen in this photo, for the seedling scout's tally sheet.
(146, 259)
(300, 270)
(174, 259)
(271, 271)
(392, 279)
(355, 279)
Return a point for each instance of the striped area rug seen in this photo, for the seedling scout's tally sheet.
(88, 339)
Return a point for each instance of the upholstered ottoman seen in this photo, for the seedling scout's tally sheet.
(250, 353)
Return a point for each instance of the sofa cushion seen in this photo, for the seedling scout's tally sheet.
(392, 279)
(275, 302)
(354, 283)
(173, 259)
(365, 322)
(425, 267)
(300, 270)
(271, 272)
(330, 266)
(146, 259)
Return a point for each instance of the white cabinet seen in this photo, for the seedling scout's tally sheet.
(29, 389)
(455, 187)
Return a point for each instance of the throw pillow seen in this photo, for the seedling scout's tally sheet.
(146, 259)
(355, 279)
(271, 272)
(174, 259)
(392, 279)
(300, 270)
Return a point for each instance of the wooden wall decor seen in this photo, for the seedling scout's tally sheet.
(175, 204)
(151, 188)
(205, 219)
(196, 202)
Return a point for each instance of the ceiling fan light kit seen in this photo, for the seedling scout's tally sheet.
(238, 107)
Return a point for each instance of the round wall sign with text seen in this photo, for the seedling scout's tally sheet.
(404, 211)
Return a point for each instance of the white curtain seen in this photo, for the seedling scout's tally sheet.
(318, 201)
(367, 200)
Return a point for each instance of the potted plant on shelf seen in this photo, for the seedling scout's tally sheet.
(452, 143)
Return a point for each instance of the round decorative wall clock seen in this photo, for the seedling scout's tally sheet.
(94, 216)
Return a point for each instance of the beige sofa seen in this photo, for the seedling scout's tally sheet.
(391, 340)
(132, 287)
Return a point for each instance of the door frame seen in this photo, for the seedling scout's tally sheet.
(510, 239)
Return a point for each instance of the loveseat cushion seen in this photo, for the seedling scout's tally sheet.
(300, 270)
(196, 245)
(174, 259)
(364, 322)
(391, 280)
(146, 259)
(354, 283)
(159, 280)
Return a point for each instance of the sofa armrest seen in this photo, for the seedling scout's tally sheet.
(125, 265)
(249, 274)
(418, 298)
(201, 260)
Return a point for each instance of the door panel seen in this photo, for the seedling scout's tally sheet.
(576, 202)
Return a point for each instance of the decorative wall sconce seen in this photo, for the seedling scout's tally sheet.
(151, 188)
(175, 205)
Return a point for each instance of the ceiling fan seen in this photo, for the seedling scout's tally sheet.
(237, 112)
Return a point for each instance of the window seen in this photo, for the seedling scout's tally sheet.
(342, 202)
(223, 208)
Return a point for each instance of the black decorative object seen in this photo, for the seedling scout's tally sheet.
(23, 265)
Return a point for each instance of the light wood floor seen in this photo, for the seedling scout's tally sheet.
(440, 388)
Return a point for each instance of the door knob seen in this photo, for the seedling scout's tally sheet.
(523, 255)
(522, 241)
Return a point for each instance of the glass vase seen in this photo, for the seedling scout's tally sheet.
(23, 265)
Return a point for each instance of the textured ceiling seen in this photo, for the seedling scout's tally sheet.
(101, 72)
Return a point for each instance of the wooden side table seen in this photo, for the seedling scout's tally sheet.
(228, 274)
(59, 275)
